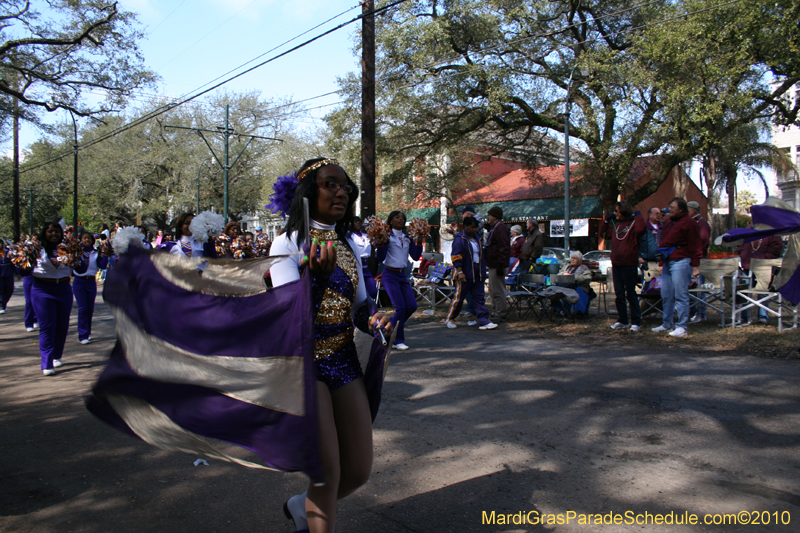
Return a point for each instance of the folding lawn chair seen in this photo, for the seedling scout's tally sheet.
(760, 294)
(650, 300)
(522, 301)
(717, 294)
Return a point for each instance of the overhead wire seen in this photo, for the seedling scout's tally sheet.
(163, 109)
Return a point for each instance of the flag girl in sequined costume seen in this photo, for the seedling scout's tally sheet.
(339, 302)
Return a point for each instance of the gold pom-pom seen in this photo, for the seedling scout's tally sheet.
(240, 248)
(69, 252)
(378, 231)
(24, 254)
(262, 245)
(106, 248)
(223, 245)
(419, 229)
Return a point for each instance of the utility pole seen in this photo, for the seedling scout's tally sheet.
(75, 177)
(16, 210)
(368, 109)
(227, 132)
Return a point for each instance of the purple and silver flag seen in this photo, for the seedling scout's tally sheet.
(206, 357)
(774, 217)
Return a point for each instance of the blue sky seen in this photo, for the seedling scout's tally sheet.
(191, 42)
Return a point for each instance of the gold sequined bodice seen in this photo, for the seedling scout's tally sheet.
(336, 306)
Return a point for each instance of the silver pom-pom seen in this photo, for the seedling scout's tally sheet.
(124, 238)
(207, 225)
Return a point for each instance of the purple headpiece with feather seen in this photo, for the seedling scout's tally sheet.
(281, 199)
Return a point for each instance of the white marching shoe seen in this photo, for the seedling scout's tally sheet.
(295, 509)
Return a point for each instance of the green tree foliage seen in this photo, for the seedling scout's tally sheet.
(149, 173)
(662, 79)
(50, 58)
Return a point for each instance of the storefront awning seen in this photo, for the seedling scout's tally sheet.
(544, 208)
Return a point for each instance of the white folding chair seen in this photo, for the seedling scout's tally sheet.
(761, 296)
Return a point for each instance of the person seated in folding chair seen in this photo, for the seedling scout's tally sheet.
(470, 273)
(582, 283)
(766, 248)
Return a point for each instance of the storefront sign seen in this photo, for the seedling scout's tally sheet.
(578, 227)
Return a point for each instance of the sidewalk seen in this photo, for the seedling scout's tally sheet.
(471, 421)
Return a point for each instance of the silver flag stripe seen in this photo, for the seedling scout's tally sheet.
(156, 428)
(272, 382)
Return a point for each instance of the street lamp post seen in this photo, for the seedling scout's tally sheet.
(75, 176)
(583, 72)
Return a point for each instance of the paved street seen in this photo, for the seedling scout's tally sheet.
(471, 422)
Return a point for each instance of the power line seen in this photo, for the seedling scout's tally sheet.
(165, 19)
(163, 109)
(206, 35)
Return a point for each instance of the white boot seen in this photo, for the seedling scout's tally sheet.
(295, 509)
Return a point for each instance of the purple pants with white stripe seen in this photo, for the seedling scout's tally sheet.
(478, 293)
(30, 315)
(52, 303)
(403, 299)
(85, 290)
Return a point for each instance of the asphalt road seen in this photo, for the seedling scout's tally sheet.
(472, 422)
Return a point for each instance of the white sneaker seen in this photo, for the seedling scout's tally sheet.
(28, 329)
(450, 324)
(635, 328)
(695, 319)
(35, 325)
(659, 329)
(472, 323)
(679, 332)
(49, 372)
(57, 363)
(295, 510)
(89, 337)
(400, 346)
(2, 311)
(619, 325)
(490, 325)
(85, 341)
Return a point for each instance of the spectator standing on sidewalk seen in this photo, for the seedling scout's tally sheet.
(697, 310)
(651, 237)
(534, 244)
(624, 229)
(498, 252)
(681, 249)
(470, 271)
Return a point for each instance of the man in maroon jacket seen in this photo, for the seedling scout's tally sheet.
(498, 252)
(624, 229)
(681, 250)
(697, 310)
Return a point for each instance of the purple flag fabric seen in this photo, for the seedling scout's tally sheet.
(207, 358)
(774, 217)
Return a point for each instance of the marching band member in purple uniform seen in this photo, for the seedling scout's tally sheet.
(51, 295)
(6, 278)
(185, 244)
(30, 315)
(470, 266)
(339, 295)
(85, 286)
(362, 241)
(394, 256)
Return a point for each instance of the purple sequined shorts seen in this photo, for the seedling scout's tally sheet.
(340, 368)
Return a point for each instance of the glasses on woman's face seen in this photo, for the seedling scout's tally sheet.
(334, 187)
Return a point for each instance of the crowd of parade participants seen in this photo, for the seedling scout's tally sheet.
(61, 262)
(339, 249)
